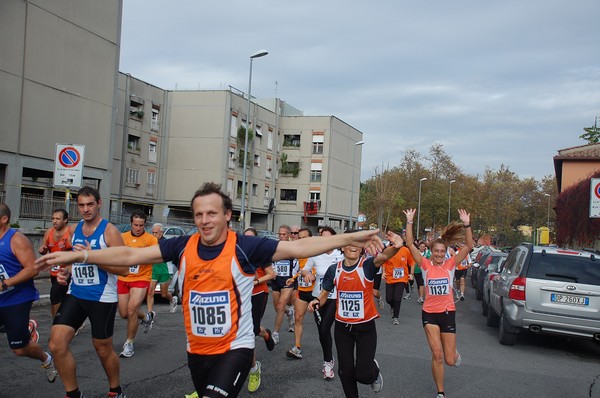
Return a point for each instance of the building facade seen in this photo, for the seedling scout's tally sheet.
(150, 148)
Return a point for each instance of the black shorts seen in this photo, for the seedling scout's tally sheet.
(460, 273)
(279, 283)
(222, 375)
(305, 296)
(259, 305)
(445, 320)
(377, 281)
(73, 311)
(16, 324)
(419, 278)
(57, 290)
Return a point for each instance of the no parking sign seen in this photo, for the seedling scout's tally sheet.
(595, 198)
(68, 165)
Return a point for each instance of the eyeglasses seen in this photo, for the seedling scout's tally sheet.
(295, 233)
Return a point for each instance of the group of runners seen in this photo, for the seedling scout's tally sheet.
(223, 278)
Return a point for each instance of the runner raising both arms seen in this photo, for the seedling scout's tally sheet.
(439, 312)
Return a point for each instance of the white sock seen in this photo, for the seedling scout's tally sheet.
(47, 361)
(254, 369)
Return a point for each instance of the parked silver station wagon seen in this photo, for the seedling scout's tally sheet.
(546, 290)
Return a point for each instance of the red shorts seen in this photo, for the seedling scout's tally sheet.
(124, 287)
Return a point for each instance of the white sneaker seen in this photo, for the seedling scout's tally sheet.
(147, 324)
(381, 303)
(458, 360)
(395, 321)
(420, 300)
(173, 304)
(275, 336)
(294, 352)
(127, 350)
(407, 296)
(51, 372)
(377, 385)
(440, 396)
(328, 373)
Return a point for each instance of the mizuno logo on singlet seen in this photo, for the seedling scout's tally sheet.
(214, 298)
(349, 296)
(435, 282)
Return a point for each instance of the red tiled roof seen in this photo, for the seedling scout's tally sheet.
(589, 151)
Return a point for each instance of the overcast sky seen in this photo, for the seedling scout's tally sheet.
(496, 82)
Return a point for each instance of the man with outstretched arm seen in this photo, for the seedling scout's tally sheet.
(217, 273)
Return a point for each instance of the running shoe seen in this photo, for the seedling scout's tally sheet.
(407, 296)
(51, 372)
(420, 300)
(458, 360)
(462, 297)
(381, 303)
(294, 352)
(173, 304)
(192, 395)
(127, 350)
(116, 395)
(254, 378)
(440, 396)
(377, 385)
(395, 321)
(275, 337)
(33, 333)
(147, 324)
(328, 373)
(269, 340)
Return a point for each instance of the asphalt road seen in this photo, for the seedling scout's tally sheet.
(537, 366)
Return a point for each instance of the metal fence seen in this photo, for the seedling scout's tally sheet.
(40, 208)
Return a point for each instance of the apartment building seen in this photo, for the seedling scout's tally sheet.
(58, 69)
(149, 148)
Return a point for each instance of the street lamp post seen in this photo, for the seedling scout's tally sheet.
(449, 198)
(258, 54)
(419, 208)
(548, 220)
(350, 221)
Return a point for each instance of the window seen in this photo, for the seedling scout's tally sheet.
(231, 157)
(133, 143)
(314, 196)
(289, 194)
(268, 168)
(136, 107)
(317, 146)
(154, 122)
(254, 189)
(258, 132)
(132, 176)
(315, 172)
(230, 187)
(291, 140)
(257, 160)
(233, 127)
(152, 152)
(270, 140)
(151, 180)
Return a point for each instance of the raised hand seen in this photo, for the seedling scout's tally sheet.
(410, 214)
(464, 216)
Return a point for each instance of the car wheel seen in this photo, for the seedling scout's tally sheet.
(484, 308)
(492, 318)
(505, 336)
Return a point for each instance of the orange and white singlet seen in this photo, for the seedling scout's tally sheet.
(261, 287)
(355, 303)
(438, 280)
(304, 286)
(140, 272)
(218, 293)
(396, 268)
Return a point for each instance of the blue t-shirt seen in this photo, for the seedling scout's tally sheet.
(252, 251)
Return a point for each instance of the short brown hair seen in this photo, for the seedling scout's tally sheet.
(209, 188)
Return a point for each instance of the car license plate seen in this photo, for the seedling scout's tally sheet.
(569, 299)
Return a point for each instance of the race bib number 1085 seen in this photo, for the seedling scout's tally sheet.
(210, 313)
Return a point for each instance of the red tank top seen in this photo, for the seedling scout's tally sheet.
(355, 303)
(62, 244)
(217, 306)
